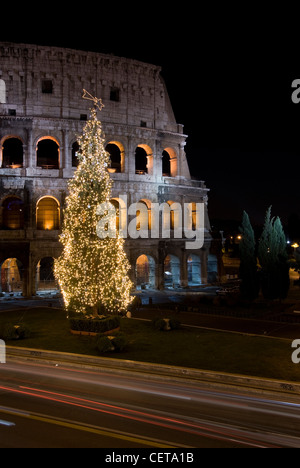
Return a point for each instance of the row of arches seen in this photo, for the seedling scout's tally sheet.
(146, 271)
(48, 156)
(12, 273)
(12, 214)
(47, 214)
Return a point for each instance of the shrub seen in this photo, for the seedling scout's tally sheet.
(165, 324)
(158, 323)
(23, 332)
(104, 344)
(119, 342)
(9, 331)
(96, 325)
(174, 324)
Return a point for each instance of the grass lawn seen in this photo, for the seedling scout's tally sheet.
(187, 347)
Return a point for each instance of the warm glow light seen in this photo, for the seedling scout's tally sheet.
(92, 272)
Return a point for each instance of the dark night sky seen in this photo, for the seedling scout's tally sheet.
(229, 79)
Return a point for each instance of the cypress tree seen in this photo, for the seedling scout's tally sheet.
(248, 266)
(273, 259)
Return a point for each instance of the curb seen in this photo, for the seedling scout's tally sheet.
(155, 370)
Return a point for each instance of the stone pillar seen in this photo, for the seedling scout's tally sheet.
(204, 267)
(160, 270)
(131, 157)
(28, 279)
(67, 164)
(183, 270)
(30, 151)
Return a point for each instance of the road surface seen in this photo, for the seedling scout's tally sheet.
(47, 406)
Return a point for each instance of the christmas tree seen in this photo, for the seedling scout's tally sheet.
(92, 272)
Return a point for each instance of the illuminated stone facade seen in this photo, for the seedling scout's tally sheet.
(42, 113)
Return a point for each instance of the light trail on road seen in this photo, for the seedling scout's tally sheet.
(144, 410)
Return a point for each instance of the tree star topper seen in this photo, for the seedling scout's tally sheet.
(97, 102)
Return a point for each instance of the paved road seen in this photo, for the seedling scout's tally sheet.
(48, 406)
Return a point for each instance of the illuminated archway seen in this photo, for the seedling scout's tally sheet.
(172, 271)
(12, 152)
(194, 270)
(45, 279)
(11, 275)
(48, 214)
(12, 214)
(117, 156)
(169, 163)
(48, 153)
(145, 272)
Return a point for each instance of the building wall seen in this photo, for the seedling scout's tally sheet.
(41, 100)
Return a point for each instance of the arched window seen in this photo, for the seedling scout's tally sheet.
(194, 270)
(172, 218)
(172, 271)
(13, 213)
(143, 216)
(145, 272)
(115, 153)
(141, 161)
(48, 214)
(2, 92)
(11, 274)
(48, 153)
(169, 163)
(166, 165)
(12, 153)
(45, 279)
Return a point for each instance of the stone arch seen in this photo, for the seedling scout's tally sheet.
(144, 216)
(194, 270)
(169, 162)
(12, 153)
(121, 214)
(143, 159)
(45, 279)
(117, 156)
(48, 153)
(48, 214)
(145, 272)
(212, 268)
(172, 218)
(12, 213)
(12, 274)
(172, 271)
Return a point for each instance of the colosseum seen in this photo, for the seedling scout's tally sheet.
(42, 113)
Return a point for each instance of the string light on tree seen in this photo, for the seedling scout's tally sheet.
(92, 272)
